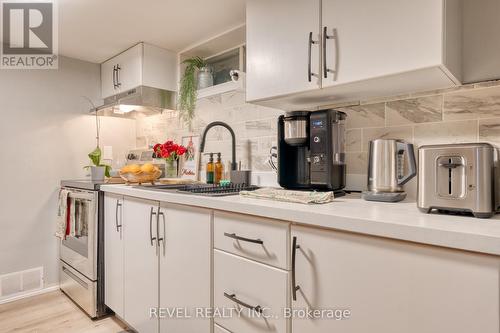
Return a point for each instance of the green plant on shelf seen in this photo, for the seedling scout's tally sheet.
(188, 89)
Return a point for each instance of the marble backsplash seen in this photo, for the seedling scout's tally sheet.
(467, 113)
(255, 128)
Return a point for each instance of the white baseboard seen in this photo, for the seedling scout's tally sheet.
(30, 294)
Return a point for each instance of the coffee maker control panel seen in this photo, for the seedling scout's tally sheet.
(318, 146)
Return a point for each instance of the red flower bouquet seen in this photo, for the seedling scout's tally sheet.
(169, 150)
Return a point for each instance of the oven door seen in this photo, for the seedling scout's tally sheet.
(79, 250)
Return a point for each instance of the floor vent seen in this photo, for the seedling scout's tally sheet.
(18, 283)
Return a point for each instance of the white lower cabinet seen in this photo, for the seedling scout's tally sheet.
(391, 286)
(141, 264)
(158, 264)
(113, 253)
(185, 268)
(242, 288)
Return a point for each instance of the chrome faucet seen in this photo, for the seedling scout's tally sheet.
(233, 140)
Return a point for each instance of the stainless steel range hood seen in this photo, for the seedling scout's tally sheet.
(141, 100)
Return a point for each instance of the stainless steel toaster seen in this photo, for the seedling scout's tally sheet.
(459, 177)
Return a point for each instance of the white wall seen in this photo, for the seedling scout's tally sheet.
(45, 135)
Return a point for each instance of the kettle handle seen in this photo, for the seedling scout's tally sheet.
(408, 149)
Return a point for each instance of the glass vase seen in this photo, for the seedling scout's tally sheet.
(171, 170)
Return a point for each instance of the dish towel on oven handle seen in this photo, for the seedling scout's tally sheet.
(278, 194)
(62, 214)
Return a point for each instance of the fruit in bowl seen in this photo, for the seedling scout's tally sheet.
(133, 173)
(148, 168)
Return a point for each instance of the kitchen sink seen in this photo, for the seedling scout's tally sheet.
(203, 189)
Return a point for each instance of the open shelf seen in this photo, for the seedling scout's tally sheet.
(222, 88)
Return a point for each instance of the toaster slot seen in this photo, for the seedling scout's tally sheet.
(451, 177)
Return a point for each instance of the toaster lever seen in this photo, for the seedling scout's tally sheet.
(450, 165)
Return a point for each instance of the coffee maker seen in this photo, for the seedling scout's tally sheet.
(311, 150)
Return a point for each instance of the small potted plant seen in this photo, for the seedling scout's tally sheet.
(170, 151)
(188, 87)
(97, 170)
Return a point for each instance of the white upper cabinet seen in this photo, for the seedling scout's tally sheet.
(278, 47)
(367, 49)
(368, 39)
(142, 64)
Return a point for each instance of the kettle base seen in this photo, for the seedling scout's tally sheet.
(383, 196)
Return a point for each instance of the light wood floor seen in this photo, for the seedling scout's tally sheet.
(53, 312)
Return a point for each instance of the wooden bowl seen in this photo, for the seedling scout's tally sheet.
(141, 177)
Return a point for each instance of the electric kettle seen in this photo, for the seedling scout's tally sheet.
(387, 163)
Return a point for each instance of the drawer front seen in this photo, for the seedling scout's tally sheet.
(238, 279)
(79, 288)
(218, 329)
(255, 238)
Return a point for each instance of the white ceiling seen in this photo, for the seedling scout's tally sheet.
(95, 30)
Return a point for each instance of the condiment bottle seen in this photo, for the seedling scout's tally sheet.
(219, 169)
(210, 169)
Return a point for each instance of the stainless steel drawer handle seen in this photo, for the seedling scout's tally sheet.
(244, 239)
(233, 298)
(74, 277)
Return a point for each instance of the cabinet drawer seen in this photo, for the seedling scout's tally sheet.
(238, 279)
(253, 237)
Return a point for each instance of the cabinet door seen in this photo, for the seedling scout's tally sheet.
(130, 68)
(277, 47)
(185, 266)
(379, 38)
(108, 87)
(393, 287)
(113, 253)
(141, 264)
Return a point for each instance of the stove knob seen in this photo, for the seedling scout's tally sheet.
(316, 139)
(316, 159)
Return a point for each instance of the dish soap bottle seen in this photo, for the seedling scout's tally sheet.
(210, 169)
(219, 169)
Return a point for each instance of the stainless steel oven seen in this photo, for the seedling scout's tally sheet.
(81, 252)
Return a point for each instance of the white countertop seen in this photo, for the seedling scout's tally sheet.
(393, 220)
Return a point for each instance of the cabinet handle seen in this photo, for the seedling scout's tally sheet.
(310, 74)
(118, 69)
(161, 239)
(326, 70)
(233, 298)
(294, 251)
(114, 76)
(151, 214)
(118, 225)
(234, 236)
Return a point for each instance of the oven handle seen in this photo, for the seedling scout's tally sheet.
(81, 195)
